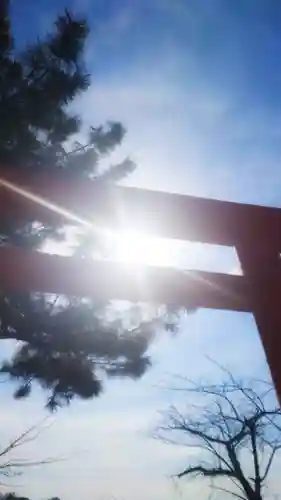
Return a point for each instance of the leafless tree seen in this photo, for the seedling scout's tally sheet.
(234, 429)
(13, 462)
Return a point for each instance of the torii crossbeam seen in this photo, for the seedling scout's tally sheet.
(254, 231)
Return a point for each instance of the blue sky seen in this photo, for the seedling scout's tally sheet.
(197, 84)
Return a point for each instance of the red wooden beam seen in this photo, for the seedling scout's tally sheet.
(262, 266)
(255, 232)
(163, 214)
(25, 271)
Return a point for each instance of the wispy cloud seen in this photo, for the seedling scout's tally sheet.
(196, 85)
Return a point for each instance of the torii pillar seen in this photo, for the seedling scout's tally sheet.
(254, 231)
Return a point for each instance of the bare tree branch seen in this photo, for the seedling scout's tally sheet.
(13, 466)
(218, 488)
(236, 433)
(212, 472)
(270, 460)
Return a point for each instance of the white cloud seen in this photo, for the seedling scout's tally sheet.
(171, 118)
(100, 447)
(163, 119)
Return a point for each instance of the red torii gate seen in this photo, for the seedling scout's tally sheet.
(254, 231)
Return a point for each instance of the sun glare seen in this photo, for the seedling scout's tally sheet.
(132, 247)
(139, 249)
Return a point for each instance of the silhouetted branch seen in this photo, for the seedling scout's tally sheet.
(211, 472)
(236, 433)
(12, 467)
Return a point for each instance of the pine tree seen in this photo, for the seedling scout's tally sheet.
(65, 344)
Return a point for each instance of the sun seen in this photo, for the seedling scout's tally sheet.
(135, 248)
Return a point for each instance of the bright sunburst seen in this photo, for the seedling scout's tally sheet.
(138, 249)
(132, 247)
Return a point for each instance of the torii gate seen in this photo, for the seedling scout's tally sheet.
(254, 231)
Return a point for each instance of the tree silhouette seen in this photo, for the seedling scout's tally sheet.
(66, 344)
(234, 432)
(13, 463)
(14, 496)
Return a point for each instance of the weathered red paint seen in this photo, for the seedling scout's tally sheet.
(253, 230)
(261, 266)
(26, 271)
(163, 214)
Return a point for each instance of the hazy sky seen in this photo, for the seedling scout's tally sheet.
(197, 84)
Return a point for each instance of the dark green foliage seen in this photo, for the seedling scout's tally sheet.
(68, 345)
(14, 496)
(64, 344)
